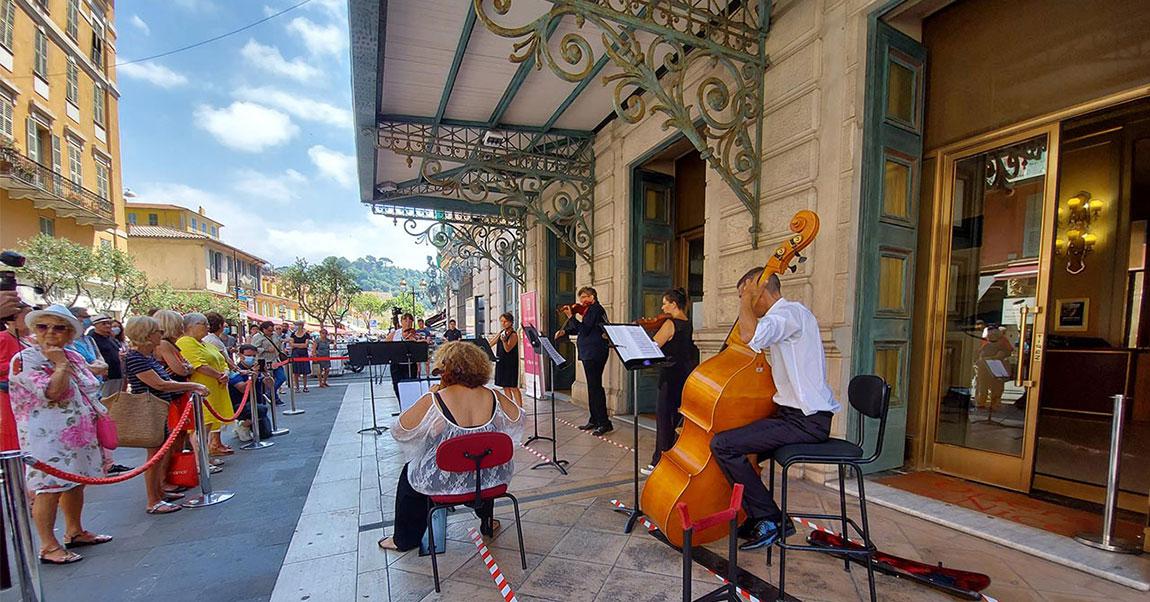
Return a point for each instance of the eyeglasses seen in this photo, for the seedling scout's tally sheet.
(57, 328)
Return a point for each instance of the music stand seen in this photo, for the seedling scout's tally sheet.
(637, 352)
(484, 345)
(543, 347)
(370, 355)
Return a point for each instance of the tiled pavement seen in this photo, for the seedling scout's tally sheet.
(575, 546)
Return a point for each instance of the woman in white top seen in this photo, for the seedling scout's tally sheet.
(460, 405)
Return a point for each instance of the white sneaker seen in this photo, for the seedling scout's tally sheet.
(243, 432)
(648, 470)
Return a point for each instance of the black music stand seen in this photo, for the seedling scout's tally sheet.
(637, 352)
(543, 347)
(484, 345)
(370, 355)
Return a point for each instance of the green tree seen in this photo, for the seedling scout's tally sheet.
(405, 303)
(59, 266)
(324, 290)
(163, 296)
(115, 280)
(368, 307)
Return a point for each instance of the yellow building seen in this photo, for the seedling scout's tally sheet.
(182, 247)
(59, 126)
(273, 301)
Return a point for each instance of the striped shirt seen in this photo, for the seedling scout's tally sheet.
(136, 363)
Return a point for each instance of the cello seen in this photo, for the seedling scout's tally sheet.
(731, 389)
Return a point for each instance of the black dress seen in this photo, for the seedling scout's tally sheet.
(681, 348)
(303, 368)
(506, 365)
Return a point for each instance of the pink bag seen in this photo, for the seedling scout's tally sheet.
(106, 433)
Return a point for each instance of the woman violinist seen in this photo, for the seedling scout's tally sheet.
(675, 338)
(506, 346)
(405, 332)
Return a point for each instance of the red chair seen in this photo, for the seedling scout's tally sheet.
(473, 453)
(729, 591)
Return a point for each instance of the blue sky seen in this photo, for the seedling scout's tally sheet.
(256, 128)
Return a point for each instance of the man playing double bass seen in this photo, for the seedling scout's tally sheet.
(593, 354)
(804, 402)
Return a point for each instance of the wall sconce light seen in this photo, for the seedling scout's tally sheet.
(1074, 219)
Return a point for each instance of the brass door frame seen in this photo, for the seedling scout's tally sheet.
(1003, 470)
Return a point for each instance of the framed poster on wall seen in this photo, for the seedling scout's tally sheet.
(1072, 314)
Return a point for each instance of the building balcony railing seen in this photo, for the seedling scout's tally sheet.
(24, 178)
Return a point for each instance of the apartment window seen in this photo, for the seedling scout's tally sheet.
(103, 181)
(40, 58)
(510, 293)
(75, 165)
(105, 244)
(195, 224)
(98, 100)
(131, 216)
(215, 232)
(6, 125)
(98, 44)
(73, 82)
(153, 219)
(48, 226)
(7, 22)
(73, 24)
(217, 265)
(203, 228)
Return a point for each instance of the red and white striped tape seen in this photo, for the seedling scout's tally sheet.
(652, 528)
(615, 443)
(492, 567)
(535, 453)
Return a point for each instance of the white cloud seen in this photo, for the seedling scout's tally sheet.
(335, 8)
(333, 164)
(280, 188)
(153, 73)
(281, 236)
(319, 39)
(140, 24)
(297, 106)
(246, 126)
(271, 60)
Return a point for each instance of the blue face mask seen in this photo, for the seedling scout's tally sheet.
(249, 360)
(227, 330)
(87, 323)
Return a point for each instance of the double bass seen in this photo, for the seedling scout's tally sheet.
(729, 390)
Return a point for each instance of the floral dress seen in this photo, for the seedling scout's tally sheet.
(59, 433)
(199, 354)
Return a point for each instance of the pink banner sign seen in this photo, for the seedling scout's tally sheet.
(532, 366)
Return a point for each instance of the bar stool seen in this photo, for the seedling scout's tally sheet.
(870, 396)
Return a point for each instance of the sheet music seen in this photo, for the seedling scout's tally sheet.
(552, 352)
(411, 390)
(632, 343)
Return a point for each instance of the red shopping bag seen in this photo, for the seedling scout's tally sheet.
(182, 470)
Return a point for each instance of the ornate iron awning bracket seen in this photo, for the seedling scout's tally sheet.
(467, 236)
(726, 34)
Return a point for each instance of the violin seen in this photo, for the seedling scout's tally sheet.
(729, 390)
(652, 325)
(576, 308)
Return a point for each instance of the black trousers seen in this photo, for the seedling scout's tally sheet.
(411, 509)
(667, 416)
(596, 395)
(401, 371)
(787, 426)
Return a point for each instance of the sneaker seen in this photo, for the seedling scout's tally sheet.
(118, 468)
(765, 533)
(650, 468)
(243, 432)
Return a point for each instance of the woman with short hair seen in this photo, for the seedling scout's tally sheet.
(460, 405)
(300, 345)
(323, 349)
(56, 400)
(209, 368)
(146, 373)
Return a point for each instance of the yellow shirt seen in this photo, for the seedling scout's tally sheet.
(202, 354)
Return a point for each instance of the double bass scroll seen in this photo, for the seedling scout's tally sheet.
(730, 389)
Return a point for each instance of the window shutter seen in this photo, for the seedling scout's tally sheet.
(57, 161)
(32, 140)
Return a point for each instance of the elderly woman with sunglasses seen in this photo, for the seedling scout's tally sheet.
(209, 368)
(55, 399)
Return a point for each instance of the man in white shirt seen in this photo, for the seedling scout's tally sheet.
(804, 402)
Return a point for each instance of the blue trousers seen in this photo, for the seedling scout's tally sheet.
(280, 376)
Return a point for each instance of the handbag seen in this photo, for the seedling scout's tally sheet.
(182, 470)
(139, 418)
(106, 433)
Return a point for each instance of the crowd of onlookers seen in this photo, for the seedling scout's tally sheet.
(59, 365)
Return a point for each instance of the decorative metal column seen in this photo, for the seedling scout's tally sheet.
(722, 116)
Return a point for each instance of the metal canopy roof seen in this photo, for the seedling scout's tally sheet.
(490, 106)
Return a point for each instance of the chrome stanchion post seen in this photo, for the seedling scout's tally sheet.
(276, 430)
(257, 442)
(207, 497)
(1106, 540)
(17, 513)
(292, 412)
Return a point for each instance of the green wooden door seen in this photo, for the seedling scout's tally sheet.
(652, 266)
(892, 173)
(560, 290)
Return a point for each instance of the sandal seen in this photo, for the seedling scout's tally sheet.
(69, 557)
(175, 489)
(215, 462)
(163, 508)
(306, 390)
(388, 543)
(489, 526)
(171, 496)
(89, 539)
(213, 469)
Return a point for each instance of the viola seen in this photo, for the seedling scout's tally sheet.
(731, 389)
(652, 325)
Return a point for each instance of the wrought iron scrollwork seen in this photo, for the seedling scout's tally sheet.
(721, 116)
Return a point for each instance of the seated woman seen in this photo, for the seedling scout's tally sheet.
(459, 405)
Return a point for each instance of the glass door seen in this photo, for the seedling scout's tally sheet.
(993, 240)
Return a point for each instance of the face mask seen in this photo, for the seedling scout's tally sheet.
(227, 330)
(116, 331)
(249, 360)
(87, 322)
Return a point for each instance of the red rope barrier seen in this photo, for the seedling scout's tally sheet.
(243, 402)
(120, 478)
